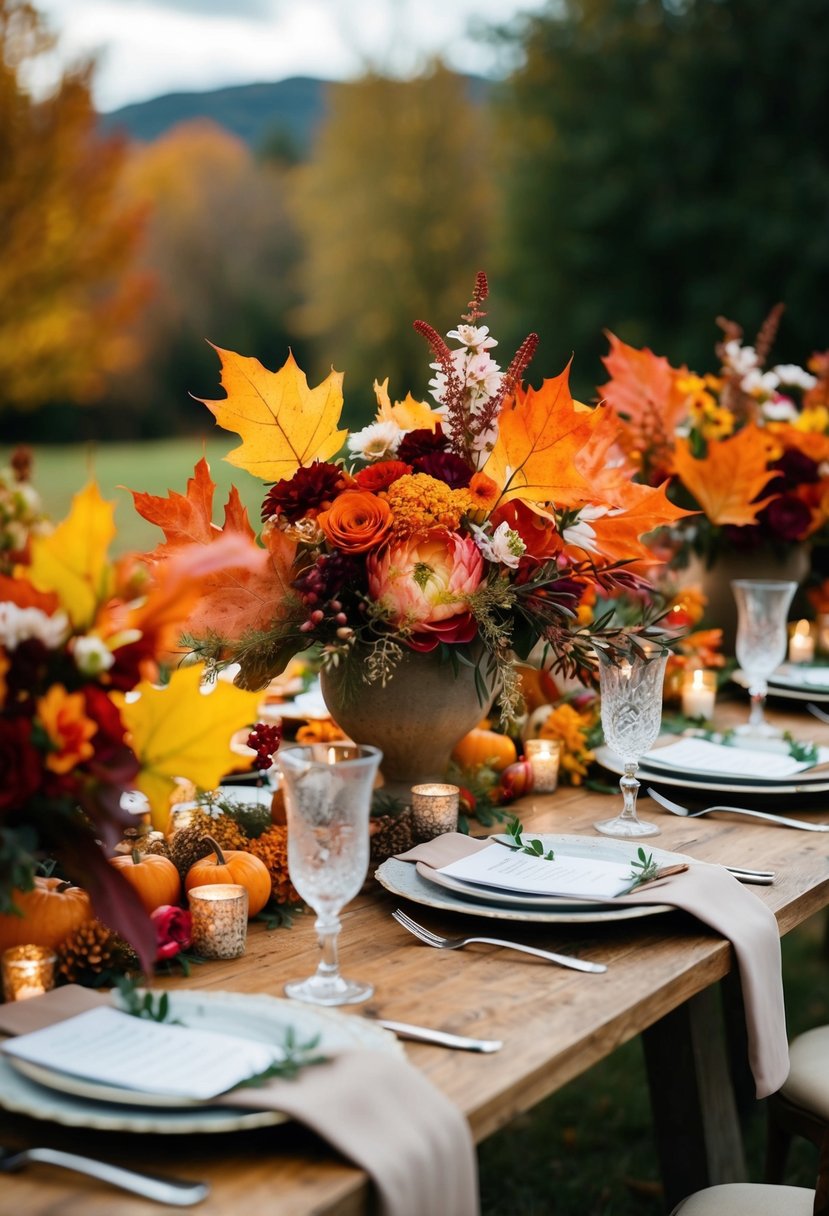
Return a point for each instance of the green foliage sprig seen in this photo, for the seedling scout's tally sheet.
(643, 870)
(535, 848)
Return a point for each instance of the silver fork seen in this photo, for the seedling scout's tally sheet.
(170, 1191)
(456, 943)
(817, 712)
(781, 820)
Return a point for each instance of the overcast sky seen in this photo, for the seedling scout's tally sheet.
(148, 47)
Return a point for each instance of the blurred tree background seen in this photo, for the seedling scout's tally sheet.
(648, 165)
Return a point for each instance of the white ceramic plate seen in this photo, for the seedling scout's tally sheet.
(714, 785)
(74, 1103)
(402, 878)
(787, 691)
(572, 846)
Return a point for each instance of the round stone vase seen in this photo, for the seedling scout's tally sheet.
(424, 709)
(715, 582)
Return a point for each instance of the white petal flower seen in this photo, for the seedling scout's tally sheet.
(759, 383)
(797, 377)
(781, 409)
(740, 358)
(20, 624)
(91, 655)
(476, 337)
(504, 545)
(379, 441)
(580, 533)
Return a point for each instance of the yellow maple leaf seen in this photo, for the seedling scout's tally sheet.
(72, 560)
(180, 731)
(540, 436)
(729, 479)
(283, 423)
(409, 415)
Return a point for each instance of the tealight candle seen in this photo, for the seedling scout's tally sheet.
(699, 693)
(543, 755)
(434, 809)
(219, 920)
(27, 971)
(801, 643)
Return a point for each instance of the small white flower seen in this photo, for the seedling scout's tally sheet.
(781, 409)
(476, 337)
(759, 383)
(797, 377)
(91, 655)
(379, 441)
(504, 545)
(20, 624)
(580, 533)
(740, 358)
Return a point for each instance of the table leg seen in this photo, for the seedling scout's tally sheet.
(695, 1120)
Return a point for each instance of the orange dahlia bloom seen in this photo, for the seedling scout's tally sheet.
(62, 716)
(356, 521)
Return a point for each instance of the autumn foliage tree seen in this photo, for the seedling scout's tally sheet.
(394, 207)
(67, 293)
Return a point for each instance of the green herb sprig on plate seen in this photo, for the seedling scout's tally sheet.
(535, 848)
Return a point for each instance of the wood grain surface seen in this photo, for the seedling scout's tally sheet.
(555, 1023)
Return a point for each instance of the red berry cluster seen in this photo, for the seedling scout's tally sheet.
(321, 590)
(264, 740)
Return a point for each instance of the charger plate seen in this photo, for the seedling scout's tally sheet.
(70, 1101)
(787, 687)
(449, 895)
(712, 785)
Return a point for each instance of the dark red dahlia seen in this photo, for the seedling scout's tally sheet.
(311, 489)
(421, 443)
(796, 468)
(787, 517)
(20, 763)
(447, 467)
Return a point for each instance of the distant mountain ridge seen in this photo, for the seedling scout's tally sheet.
(254, 112)
(292, 108)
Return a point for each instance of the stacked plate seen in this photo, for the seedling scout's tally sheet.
(796, 682)
(739, 768)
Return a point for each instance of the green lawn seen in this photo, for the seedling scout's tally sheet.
(156, 467)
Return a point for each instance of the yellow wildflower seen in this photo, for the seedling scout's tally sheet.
(718, 423)
(570, 728)
(813, 419)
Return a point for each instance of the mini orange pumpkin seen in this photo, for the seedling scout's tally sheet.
(485, 747)
(51, 911)
(154, 878)
(236, 866)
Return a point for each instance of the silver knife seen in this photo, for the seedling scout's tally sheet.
(425, 1034)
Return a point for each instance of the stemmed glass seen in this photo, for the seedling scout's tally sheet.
(762, 611)
(631, 693)
(327, 789)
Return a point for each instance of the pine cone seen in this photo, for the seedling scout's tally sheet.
(144, 842)
(272, 848)
(391, 834)
(191, 844)
(90, 950)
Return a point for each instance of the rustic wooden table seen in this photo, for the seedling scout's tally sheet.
(662, 982)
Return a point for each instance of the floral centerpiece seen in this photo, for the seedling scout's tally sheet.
(468, 529)
(78, 632)
(748, 447)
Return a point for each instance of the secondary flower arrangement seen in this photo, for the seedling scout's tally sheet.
(475, 525)
(78, 631)
(748, 446)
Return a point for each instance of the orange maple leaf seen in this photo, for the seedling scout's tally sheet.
(242, 594)
(729, 479)
(643, 393)
(639, 510)
(283, 423)
(540, 435)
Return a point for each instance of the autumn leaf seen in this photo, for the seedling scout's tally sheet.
(18, 590)
(181, 731)
(540, 436)
(409, 415)
(643, 386)
(639, 510)
(243, 594)
(72, 560)
(283, 423)
(730, 477)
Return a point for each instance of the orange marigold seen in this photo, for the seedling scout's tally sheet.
(272, 848)
(420, 502)
(62, 715)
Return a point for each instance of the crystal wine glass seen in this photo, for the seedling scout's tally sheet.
(631, 693)
(762, 611)
(327, 789)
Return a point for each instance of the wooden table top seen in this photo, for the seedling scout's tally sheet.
(555, 1023)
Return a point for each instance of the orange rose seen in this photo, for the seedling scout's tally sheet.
(356, 521)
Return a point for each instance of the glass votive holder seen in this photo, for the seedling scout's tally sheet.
(543, 755)
(27, 971)
(801, 643)
(699, 693)
(219, 920)
(434, 809)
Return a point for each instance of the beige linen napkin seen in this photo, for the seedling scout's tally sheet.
(371, 1106)
(714, 897)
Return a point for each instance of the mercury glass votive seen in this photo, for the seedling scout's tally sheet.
(219, 920)
(543, 755)
(27, 971)
(434, 809)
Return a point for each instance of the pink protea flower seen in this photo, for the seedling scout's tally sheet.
(426, 579)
